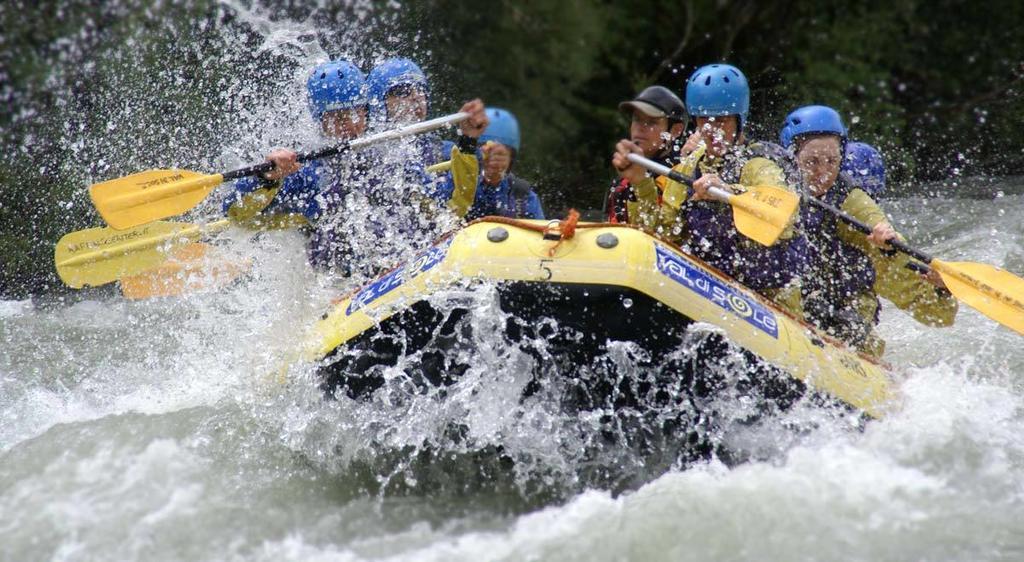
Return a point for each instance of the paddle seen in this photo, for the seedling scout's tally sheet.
(156, 194)
(762, 213)
(102, 255)
(189, 268)
(992, 291)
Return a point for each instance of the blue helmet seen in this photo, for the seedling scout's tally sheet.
(503, 128)
(389, 75)
(865, 166)
(335, 85)
(811, 119)
(717, 90)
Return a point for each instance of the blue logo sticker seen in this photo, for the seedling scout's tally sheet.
(405, 272)
(711, 288)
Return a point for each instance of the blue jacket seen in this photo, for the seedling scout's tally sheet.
(374, 217)
(297, 194)
(318, 193)
(433, 149)
(374, 214)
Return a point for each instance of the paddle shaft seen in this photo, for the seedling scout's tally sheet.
(354, 144)
(717, 192)
(845, 217)
(661, 169)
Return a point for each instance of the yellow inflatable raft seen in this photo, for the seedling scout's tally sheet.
(608, 282)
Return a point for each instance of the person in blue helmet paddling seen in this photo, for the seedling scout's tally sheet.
(657, 121)
(290, 195)
(498, 192)
(281, 197)
(399, 94)
(719, 155)
(847, 271)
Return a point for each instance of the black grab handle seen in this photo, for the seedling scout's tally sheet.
(302, 157)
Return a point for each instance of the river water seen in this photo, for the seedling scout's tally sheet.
(149, 430)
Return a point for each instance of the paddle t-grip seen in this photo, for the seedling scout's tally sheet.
(250, 171)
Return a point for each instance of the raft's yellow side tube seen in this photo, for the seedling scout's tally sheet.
(626, 257)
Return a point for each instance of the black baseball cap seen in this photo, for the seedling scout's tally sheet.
(657, 101)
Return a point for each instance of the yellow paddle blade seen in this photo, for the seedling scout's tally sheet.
(151, 195)
(97, 256)
(764, 212)
(992, 291)
(190, 269)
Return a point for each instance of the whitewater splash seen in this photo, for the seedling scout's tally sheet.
(190, 457)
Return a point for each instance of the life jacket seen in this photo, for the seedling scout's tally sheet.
(356, 203)
(622, 198)
(519, 195)
(839, 276)
(713, 235)
(432, 148)
(622, 194)
(513, 197)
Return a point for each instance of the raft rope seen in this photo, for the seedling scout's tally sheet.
(559, 231)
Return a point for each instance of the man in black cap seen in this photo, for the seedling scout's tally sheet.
(658, 121)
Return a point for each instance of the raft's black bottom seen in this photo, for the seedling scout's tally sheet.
(673, 378)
